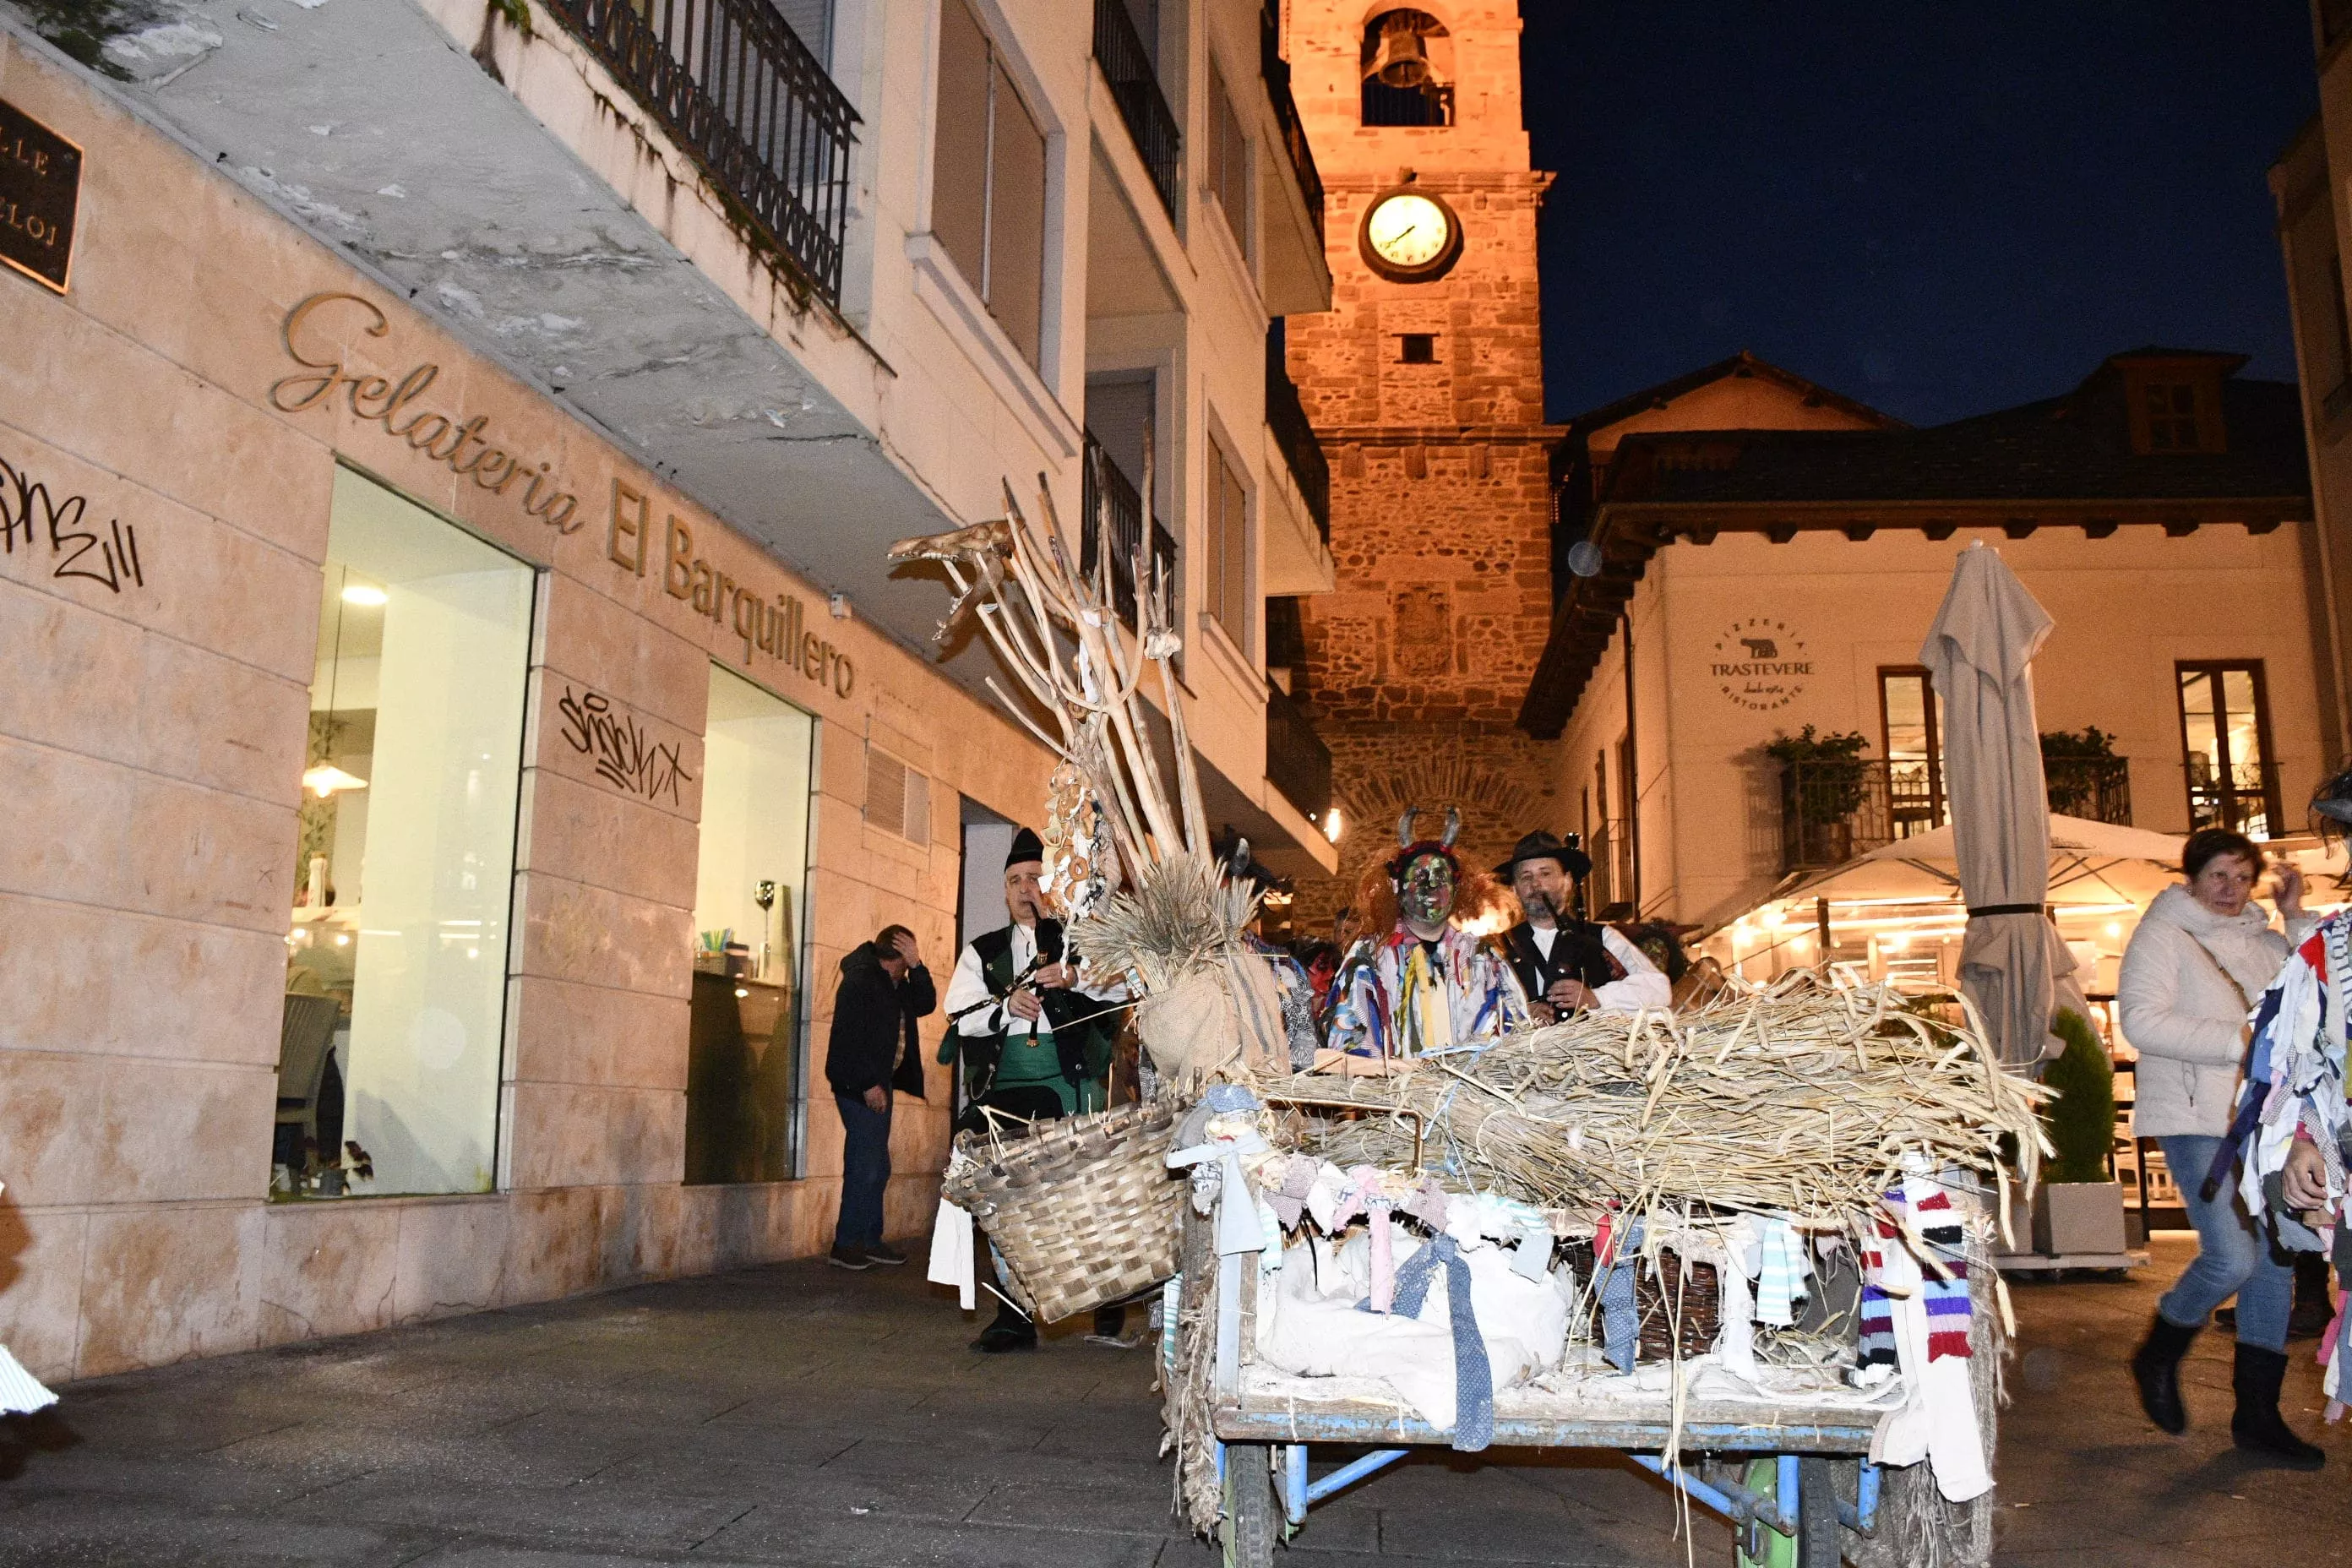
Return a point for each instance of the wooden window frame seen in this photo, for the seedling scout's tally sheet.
(1939, 803)
(2216, 668)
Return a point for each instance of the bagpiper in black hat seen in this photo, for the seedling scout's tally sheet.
(1542, 846)
(1028, 849)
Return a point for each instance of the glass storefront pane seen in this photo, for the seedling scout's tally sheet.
(388, 1072)
(742, 1091)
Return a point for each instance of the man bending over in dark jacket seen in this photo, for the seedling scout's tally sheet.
(884, 989)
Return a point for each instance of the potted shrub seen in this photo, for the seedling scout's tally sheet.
(1822, 778)
(2079, 1209)
(2076, 764)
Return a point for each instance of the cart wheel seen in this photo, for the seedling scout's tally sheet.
(1252, 1523)
(1818, 1544)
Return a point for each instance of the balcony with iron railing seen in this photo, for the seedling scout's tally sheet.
(1297, 762)
(1834, 809)
(1107, 497)
(1127, 65)
(1277, 71)
(1286, 417)
(744, 98)
(2246, 801)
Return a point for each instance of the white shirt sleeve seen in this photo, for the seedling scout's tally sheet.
(1643, 985)
(967, 986)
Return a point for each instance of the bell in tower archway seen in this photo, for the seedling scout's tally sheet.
(1401, 57)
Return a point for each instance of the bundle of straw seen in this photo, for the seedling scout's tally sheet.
(1796, 1099)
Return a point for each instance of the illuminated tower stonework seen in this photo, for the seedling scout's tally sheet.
(1426, 384)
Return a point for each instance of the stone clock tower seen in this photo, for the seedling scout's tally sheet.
(1426, 384)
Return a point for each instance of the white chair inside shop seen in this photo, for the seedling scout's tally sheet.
(303, 1044)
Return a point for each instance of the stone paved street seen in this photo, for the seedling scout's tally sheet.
(801, 1414)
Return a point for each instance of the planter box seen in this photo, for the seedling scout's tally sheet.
(2075, 1217)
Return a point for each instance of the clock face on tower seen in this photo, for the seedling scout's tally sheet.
(1411, 236)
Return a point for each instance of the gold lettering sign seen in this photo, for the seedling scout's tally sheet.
(777, 629)
(463, 447)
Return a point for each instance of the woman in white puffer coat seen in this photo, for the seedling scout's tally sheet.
(2202, 953)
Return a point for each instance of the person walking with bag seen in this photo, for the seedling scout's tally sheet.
(2202, 952)
(873, 1050)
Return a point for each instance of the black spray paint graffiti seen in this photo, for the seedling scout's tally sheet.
(28, 508)
(626, 757)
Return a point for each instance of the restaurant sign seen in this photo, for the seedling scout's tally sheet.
(1761, 664)
(40, 187)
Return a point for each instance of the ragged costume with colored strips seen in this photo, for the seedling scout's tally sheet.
(2296, 1090)
(1399, 996)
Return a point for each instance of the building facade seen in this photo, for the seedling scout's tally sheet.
(447, 468)
(1771, 557)
(1426, 384)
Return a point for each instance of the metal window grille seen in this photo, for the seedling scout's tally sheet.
(1135, 88)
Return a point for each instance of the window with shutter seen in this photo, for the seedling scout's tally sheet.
(987, 180)
(886, 792)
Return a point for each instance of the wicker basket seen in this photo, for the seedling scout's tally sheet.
(1084, 1209)
(1657, 1296)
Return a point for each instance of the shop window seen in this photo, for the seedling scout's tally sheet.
(1229, 160)
(1226, 563)
(1911, 732)
(744, 1075)
(2225, 729)
(988, 179)
(396, 974)
(898, 797)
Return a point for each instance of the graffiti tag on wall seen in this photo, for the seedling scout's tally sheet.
(29, 512)
(625, 756)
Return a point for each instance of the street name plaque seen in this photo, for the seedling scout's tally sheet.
(40, 185)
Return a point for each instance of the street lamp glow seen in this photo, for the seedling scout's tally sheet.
(365, 594)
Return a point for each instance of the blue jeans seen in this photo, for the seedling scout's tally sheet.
(866, 1175)
(2233, 1258)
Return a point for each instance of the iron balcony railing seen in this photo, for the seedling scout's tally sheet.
(1297, 762)
(749, 103)
(1134, 87)
(1832, 810)
(1285, 416)
(1105, 495)
(1277, 71)
(2098, 789)
(2246, 801)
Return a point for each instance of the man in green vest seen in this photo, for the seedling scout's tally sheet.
(1035, 1039)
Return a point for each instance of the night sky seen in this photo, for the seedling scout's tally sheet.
(1936, 208)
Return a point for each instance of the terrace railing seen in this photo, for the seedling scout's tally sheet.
(1277, 71)
(1285, 416)
(1297, 762)
(749, 103)
(1134, 87)
(1831, 811)
(1107, 496)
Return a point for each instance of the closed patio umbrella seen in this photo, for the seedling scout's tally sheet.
(1980, 650)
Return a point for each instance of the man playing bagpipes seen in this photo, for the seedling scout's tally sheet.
(1564, 962)
(1421, 981)
(1035, 1040)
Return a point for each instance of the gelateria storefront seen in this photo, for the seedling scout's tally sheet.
(397, 984)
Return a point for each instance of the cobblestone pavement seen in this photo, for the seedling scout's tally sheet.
(802, 1414)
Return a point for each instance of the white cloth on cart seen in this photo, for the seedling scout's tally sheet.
(1315, 1330)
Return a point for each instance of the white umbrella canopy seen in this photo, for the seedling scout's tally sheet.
(2094, 864)
(1980, 651)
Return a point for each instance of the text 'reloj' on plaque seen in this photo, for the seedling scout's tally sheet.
(40, 185)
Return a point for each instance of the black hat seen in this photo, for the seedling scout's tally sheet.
(1027, 849)
(1542, 846)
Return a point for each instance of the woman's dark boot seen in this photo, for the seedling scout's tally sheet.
(2257, 1428)
(2156, 1367)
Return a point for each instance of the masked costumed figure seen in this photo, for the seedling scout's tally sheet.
(1421, 981)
